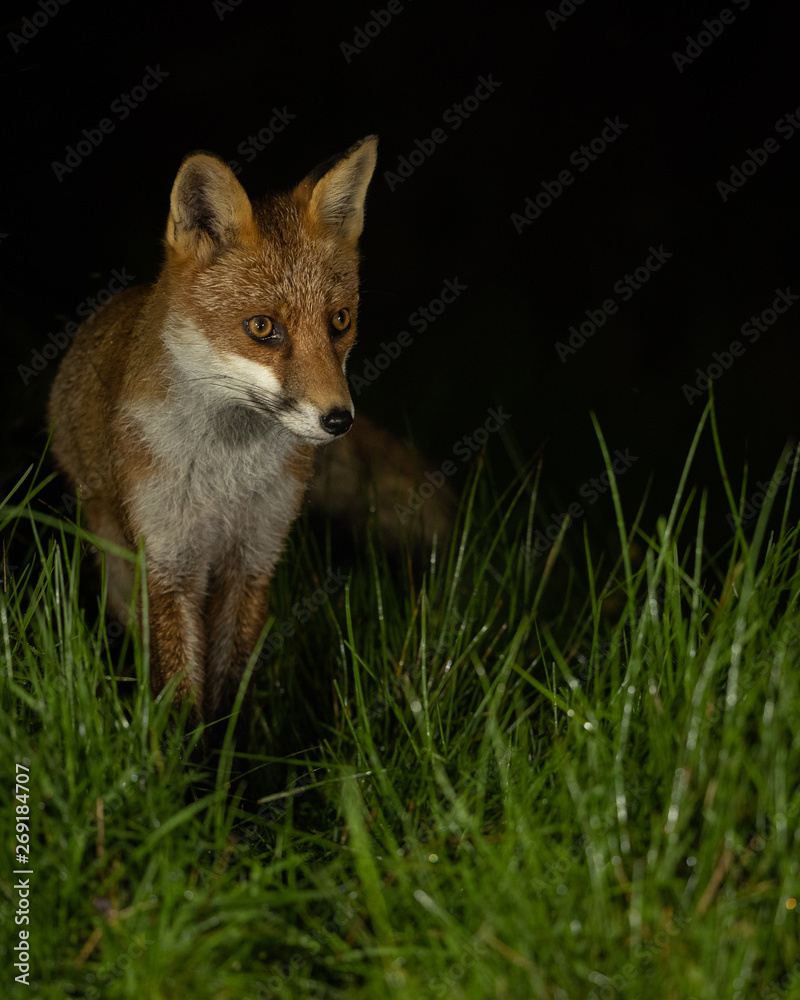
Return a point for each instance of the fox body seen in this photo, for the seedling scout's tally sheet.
(200, 400)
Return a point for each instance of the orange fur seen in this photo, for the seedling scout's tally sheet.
(202, 435)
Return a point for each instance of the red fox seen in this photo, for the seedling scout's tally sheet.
(202, 398)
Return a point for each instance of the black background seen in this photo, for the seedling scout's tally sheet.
(655, 185)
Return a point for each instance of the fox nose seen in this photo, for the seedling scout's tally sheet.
(336, 422)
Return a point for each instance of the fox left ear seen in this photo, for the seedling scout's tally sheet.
(339, 187)
(208, 208)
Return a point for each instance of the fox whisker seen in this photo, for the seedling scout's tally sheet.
(264, 400)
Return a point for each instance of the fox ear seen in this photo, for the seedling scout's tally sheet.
(338, 189)
(208, 207)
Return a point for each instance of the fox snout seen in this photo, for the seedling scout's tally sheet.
(314, 377)
(336, 422)
(314, 424)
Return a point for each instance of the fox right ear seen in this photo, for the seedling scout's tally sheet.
(338, 188)
(208, 208)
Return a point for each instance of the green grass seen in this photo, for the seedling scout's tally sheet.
(492, 774)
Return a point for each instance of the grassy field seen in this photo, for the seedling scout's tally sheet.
(495, 773)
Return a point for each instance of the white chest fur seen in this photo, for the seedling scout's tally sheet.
(221, 490)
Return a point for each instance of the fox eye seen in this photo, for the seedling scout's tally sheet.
(340, 322)
(263, 328)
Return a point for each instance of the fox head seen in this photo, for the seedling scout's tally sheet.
(264, 296)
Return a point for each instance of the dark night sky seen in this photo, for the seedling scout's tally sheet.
(654, 185)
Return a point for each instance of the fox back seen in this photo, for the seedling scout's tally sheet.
(187, 413)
